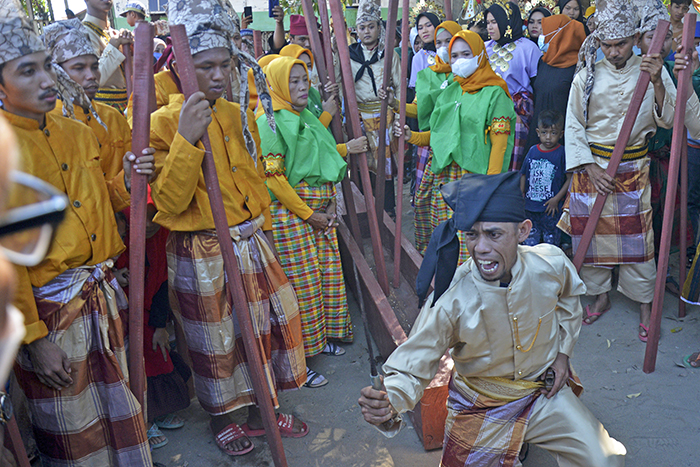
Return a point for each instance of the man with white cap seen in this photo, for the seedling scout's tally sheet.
(134, 11)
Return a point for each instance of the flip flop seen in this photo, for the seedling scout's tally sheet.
(231, 433)
(596, 315)
(332, 348)
(687, 361)
(154, 432)
(285, 423)
(169, 422)
(643, 338)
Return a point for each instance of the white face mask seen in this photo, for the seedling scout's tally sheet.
(540, 43)
(465, 67)
(444, 54)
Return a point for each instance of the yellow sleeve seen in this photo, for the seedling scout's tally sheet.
(276, 181)
(411, 110)
(499, 133)
(260, 167)
(342, 149)
(118, 195)
(325, 118)
(24, 301)
(420, 138)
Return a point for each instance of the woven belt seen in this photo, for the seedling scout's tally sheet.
(631, 152)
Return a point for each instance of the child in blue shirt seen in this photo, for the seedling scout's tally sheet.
(544, 180)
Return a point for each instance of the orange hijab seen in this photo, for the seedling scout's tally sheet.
(565, 38)
(277, 73)
(296, 51)
(266, 59)
(453, 28)
(484, 75)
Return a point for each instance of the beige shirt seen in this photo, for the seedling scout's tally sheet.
(481, 323)
(363, 87)
(110, 57)
(611, 96)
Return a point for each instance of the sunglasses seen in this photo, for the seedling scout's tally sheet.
(35, 208)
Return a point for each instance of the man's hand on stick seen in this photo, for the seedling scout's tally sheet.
(376, 407)
(561, 372)
(195, 118)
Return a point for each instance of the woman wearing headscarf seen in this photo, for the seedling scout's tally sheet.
(470, 125)
(426, 23)
(534, 22)
(302, 167)
(430, 83)
(560, 42)
(574, 10)
(514, 58)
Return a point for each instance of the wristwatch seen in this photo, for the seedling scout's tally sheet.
(6, 409)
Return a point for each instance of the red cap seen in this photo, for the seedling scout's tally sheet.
(297, 26)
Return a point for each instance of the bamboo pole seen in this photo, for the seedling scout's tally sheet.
(684, 224)
(678, 140)
(622, 140)
(386, 80)
(143, 87)
(353, 116)
(336, 126)
(402, 140)
(234, 283)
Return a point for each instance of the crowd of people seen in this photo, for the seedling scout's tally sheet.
(512, 116)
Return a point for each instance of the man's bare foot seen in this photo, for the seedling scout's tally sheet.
(255, 421)
(218, 423)
(644, 319)
(597, 308)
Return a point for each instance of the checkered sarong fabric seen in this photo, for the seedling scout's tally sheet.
(524, 110)
(96, 420)
(370, 124)
(201, 303)
(311, 261)
(439, 210)
(422, 226)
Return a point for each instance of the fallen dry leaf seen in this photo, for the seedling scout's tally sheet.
(677, 329)
(632, 396)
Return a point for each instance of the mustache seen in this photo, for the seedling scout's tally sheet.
(48, 92)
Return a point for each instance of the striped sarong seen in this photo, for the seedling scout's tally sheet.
(439, 210)
(484, 430)
(371, 119)
(422, 226)
(113, 97)
(425, 154)
(201, 303)
(524, 110)
(691, 287)
(624, 234)
(96, 421)
(311, 261)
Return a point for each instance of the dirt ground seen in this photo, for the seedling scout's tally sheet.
(654, 415)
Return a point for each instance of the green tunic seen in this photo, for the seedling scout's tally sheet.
(315, 105)
(429, 85)
(459, 126)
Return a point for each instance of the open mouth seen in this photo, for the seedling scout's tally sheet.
(487, 266)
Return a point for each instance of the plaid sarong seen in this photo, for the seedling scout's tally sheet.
(422, 226)
(484, 431)
(524, 109)
(624, 234)
(96, 421)
(201, 303)
(311, 261)
(425, 154)
(371, 119)
(439, 210)
(113, 97)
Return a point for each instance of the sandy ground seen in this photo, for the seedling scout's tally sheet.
(656, 416)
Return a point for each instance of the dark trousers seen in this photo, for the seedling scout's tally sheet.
(544, 229)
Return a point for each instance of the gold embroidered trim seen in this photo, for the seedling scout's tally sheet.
(274, 165)
(500, 126)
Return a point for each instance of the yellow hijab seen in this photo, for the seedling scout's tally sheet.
(266, 59)
(453, 28)
(484, 75)
(277, 72)
(296, 51)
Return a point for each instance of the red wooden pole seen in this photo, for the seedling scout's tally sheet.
(129, 68)
(143, 84)
(622, 140)
(257, 43)
(402, 140)
(188, 79)
(678, 140)
(353, 115)
(324, 76)
(684, 223)
(16, 443)
(448, 11)
(386, 79)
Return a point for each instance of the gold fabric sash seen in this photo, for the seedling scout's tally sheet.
(501, 389)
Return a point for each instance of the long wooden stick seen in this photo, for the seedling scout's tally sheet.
(622, 140)
(128, 68)
(386, 79)
(336, 126)
(143, 86)
(678, 140)
(684, 224)
(353, 115)
(448, 10)
(257, 43)
(235, 284)
(405, 32)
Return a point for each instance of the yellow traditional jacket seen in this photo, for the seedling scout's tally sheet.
(482, 324)
(179, 191)
(65, 154)
(115, 141)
